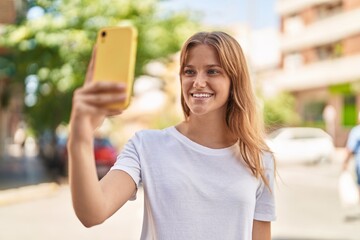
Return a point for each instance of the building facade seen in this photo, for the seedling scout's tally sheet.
(320, 62)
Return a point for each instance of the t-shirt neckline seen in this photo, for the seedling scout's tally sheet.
(200, 148)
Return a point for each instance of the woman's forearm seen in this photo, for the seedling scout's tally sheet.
(87, 197)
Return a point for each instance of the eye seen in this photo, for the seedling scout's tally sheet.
(213, 71)
(188, 72)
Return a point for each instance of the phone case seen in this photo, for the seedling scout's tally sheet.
(115, 57)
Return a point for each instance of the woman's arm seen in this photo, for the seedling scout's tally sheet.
(261, 230)
(94, 201)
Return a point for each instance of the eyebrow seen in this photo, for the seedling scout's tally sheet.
(210, 65)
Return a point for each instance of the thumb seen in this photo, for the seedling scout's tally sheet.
(91, 67)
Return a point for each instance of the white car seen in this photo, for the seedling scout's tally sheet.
(301, 145)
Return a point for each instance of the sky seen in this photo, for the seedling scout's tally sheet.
(258, 14)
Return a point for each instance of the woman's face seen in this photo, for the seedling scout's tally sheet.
(205, 85)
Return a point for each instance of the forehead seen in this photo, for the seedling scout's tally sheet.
(202, 53)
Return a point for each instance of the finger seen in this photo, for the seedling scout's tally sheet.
(91, 67)
(83, 109)
(104, 86)
(113, 112)
(98, 112)
(103, 99)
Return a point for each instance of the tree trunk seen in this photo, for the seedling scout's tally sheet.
(3, 117)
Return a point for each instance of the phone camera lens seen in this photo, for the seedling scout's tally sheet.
(103, 34)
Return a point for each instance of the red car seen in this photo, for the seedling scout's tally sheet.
(105, 155)
(104, 152)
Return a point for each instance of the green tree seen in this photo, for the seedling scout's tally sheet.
(50, 53)
(280, 111)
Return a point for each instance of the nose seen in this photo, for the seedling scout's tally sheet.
(200, 81)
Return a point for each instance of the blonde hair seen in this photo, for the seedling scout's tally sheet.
(242, 116)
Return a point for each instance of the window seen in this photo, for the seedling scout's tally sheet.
(313, 111)
(293, 24)
(293, 60)
(329, 9)
(329, 51)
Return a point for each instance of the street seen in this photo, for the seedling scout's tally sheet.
(308, 208)
(52, 217)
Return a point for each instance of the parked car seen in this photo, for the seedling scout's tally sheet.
(301, 145)
(52, 150)
(105, 155)
(104, 152)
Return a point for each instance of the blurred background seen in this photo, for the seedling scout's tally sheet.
(304, 59)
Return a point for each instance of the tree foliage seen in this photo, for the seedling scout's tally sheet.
(54, 49)
(280, 111)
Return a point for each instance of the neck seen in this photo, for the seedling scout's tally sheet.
(209, 132)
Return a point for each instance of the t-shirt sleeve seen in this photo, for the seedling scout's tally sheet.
(265, 200)
(128, 161)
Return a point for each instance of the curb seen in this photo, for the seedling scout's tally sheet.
(27, 193)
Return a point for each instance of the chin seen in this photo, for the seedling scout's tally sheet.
(198, 111)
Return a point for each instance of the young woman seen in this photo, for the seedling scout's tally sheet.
(209, 177)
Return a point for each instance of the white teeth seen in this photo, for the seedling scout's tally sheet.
(201, 95)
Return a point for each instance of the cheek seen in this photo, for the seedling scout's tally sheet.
(185, 85)
(229, 91)
(229, 87)
(184, 90)
(225, 89)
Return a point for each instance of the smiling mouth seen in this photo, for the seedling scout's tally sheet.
(202, 95)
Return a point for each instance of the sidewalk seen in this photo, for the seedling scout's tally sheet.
(22, 171)
(24, 178)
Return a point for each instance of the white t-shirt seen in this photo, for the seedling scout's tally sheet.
(195, 192)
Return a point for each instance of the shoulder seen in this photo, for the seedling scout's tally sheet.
(268, 160)
(150, 135)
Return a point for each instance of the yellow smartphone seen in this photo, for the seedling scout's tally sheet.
(115, 57)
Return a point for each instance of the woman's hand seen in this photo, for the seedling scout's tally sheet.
(91, 103)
